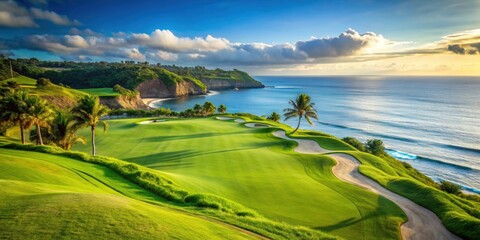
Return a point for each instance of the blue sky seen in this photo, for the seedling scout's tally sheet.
(266, 33)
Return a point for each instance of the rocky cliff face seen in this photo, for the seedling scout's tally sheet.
(220, 84)
(157, 89)
(122, 102)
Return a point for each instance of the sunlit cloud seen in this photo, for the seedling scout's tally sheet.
(14, 15)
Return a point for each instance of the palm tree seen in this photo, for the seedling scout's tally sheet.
(208, 108)
(13, 108)
(88, 113)
(197, 109)
(274, 117)
(39, 114)
(301, 107)
(222, 109)
(63, 130)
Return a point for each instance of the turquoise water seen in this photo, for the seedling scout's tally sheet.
(430, 122)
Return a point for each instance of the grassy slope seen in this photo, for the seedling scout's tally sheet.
(100, 92)
(57, 95)
(250, 167)
(46, 196)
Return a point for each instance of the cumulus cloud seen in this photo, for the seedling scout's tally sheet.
(163, 45)
(53, 17)
(348, 43)
(167, 41)
(16, 16)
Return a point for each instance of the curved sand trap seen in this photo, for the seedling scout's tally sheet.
(421, 224)
(240, 120)
(224, 118)
(151, 121)
(257, 125)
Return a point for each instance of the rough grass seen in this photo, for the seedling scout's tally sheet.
(100, 92)
(253, 168)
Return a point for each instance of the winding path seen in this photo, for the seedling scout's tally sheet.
(422, 223)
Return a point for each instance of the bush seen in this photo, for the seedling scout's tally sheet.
(355, 143)
(450, 187)
(375, 147)
(43, 82)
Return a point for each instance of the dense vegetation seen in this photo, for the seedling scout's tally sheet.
(106, 75)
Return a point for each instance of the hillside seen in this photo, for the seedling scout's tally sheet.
(151, 80)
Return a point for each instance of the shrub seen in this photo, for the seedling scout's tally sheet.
(450, 187)
(375, 147)
(43, 82)
(355, 143)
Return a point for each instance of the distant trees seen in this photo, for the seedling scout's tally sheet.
(301, 107)
(373, 146)
(274, 117)
(88, 113)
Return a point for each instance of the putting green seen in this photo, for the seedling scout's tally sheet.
(250, 166)
(43, 196)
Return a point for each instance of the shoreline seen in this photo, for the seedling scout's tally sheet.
(150, 101)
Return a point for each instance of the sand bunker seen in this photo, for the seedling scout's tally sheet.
(239, 120)
(151, 121)
(257, 125)
(224, 118)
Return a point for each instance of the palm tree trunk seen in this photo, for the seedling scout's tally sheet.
(21, 134)
(299, 120)
(93, 141)
(39, 134)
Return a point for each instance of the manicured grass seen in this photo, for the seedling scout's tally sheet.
(47, 196)
(100, 92)
(251, 167)
(22, 80)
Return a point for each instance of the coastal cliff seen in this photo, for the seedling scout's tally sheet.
(156, 88)
(124, 102)
(221, 84)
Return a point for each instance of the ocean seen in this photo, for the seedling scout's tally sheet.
(430, 122)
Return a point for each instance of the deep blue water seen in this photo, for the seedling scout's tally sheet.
(430, 122)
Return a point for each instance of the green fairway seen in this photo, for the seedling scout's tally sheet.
(43, 196)
(100, 92)
(253, 168)
(25, 81)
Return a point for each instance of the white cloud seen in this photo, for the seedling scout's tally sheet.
(53, 17)
(167, 41)
(76, 41)
(14, 15)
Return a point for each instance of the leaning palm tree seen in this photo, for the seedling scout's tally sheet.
(301, 107)
(64, 130)
(13, 109)
(39, 114)
(88, 113)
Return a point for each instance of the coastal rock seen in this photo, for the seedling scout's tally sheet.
(222, 84)
(158, 89)
(124, 102)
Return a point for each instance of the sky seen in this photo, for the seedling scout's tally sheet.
(361, 37)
